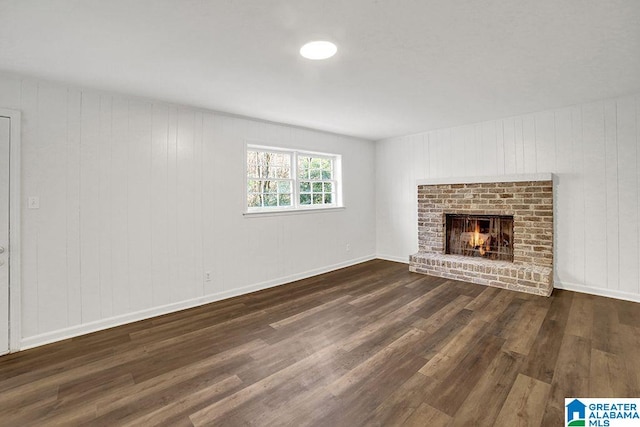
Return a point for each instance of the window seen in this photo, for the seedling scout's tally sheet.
(280, 179)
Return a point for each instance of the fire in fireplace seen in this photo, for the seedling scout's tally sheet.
(486, 236)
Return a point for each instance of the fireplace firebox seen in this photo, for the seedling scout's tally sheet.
(486, 236)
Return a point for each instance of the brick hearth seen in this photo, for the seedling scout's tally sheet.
(528, 198)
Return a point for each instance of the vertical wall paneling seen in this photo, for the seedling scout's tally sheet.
(89, 199)
(119, 217)
(529, 144)
(488, 143)
(159, 241)
(210, 194)
(592, 150)
(52, 230)
(565, 184)
(30, 218)
(185, 187)
(593, 141)
(577, 194)
(171, 205)
(545, 141)
(470, 150)
(138, 204)
(500, 148)
(73, 180)
(636, 103)
(460, 157)
(509, 144)
(612, 255)
(519, 144)
(139, 198)
(105, 196)
(628, 194)
(197, 205)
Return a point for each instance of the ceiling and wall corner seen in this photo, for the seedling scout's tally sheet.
(402, 67)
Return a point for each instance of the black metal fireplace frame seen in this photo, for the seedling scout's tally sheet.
(497, 246)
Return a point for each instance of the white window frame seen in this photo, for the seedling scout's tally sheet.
(336, 180)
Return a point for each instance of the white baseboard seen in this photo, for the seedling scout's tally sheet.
(74, 331)
(404, 260)
(609, 293)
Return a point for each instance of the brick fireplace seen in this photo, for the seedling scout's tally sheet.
(493, 231)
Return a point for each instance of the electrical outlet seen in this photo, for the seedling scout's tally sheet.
(207, 276)
(348, 247)
(34, 202)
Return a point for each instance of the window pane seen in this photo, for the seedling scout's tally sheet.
(317, 187)
(254, 200)
(284, 187)
(305, 199)
(253, 186)
(315, 174)
(327, 187)
(270, 200)
(269, 186)
(303, 167)
(269, 165)
(327, 198)
(284, 199)
(252, 157)
(305, 187)
(317, 199)
(326, 174)
(303, 162)
(316, 163)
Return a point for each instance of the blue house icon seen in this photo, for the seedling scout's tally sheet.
(575, 407)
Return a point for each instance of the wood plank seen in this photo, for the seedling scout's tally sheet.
(443, 316)
(485, 401)
(580, 321)
(604, 372)
(570, 378)
(524, 330)
(525, 403)
(372, 364)
(542, 358)
(453, 390)
(427, 415)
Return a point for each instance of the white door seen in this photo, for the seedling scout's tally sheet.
(4, 234)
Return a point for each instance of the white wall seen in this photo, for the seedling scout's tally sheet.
(593, 150)
(139, 198)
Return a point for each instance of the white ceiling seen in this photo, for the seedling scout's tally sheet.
(403, 66)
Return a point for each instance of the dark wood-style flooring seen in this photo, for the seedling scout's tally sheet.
(367, 345)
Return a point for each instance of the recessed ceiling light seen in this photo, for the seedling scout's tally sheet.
(318, 50)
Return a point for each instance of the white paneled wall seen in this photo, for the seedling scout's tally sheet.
(592, 149)
(139, 198)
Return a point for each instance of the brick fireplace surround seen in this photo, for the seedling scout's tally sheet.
(529, 198)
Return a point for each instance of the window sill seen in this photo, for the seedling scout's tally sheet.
(262, 214)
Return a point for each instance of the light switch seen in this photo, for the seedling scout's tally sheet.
(34, 202)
